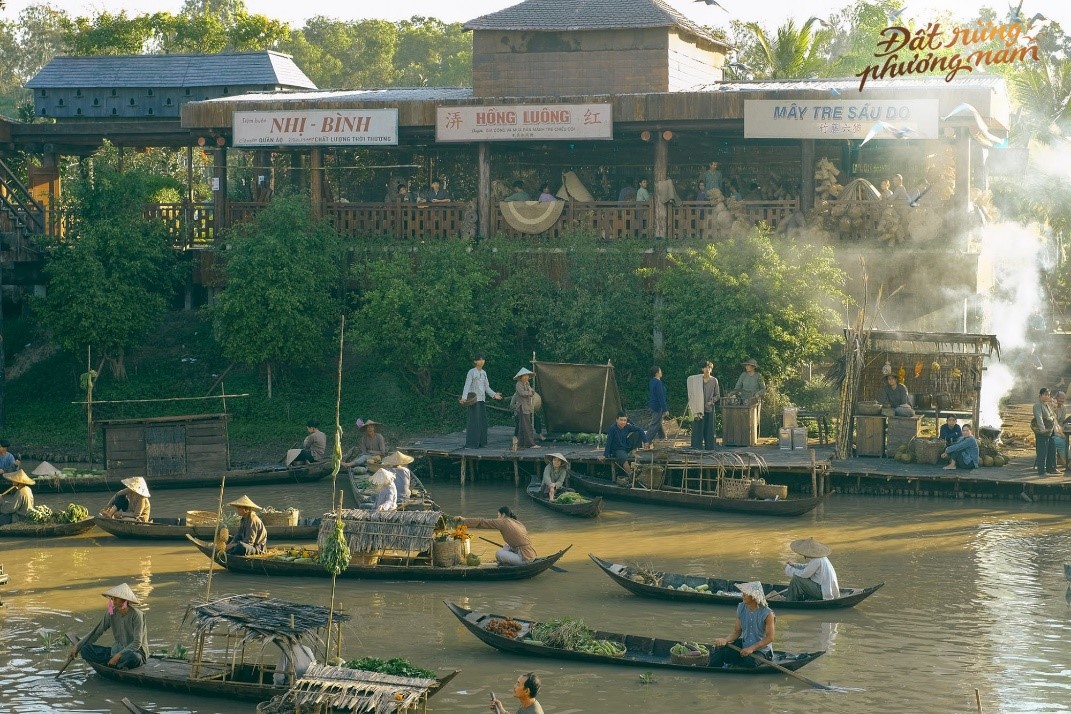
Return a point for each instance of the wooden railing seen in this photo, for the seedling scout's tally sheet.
(696, 219)
(403, 221)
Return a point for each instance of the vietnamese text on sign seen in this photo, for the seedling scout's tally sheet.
(344, 127)
(839, 118)
(537, 122)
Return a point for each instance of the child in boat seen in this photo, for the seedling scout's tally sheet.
(131, 648)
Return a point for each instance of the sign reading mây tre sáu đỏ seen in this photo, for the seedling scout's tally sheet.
(342, 127)
(840, 118)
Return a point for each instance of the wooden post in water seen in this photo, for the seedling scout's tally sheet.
(463, 465)
(814, 475)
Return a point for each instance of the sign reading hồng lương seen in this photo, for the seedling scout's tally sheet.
(540, 122)
(840, 119)
(342, 127)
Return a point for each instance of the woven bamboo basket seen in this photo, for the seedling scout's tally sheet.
(200, 518)
(770, 490)
(364, 558)
(699, 660)
(284, 518)
(734, 487)
(445, 554)
(868, 408)
(927, 451)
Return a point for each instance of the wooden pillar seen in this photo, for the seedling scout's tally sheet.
(961, 199)
(316, 195)
(483, 190)
(219, 186)
(661, 157)
(806, 175)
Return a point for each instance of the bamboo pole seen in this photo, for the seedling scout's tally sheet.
(334, 579)
(89, 401)
(215, 536)
(337, 456)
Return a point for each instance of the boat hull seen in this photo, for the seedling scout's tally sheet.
(646, 652)
(787, 507)
(45, 530)
(176, 529)
(235, 478)
(268, 566)
(616, 571)
(591, 509)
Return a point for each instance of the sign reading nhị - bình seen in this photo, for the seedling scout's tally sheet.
(540, 122)
(840, 119)
(341, 127)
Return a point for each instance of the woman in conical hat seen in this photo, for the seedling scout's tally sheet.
(371, 446)
(131, 503)
(555, 475)
(15, 506)
(814, 580)
(524, 407)
(127, 624)
(251, 537)
(753, 631)
(397, 463)
(387, 497)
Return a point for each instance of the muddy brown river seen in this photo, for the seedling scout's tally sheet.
(974, 600)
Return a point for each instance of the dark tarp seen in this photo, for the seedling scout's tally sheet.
(576, 395)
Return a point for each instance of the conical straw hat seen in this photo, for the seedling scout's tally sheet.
(810, 548)
(523, 371)
(245, 502)
(20, 477)
(123, 592)
(137, 485)
(754, 589)
(556, 455)
(397, 459)
(382, 478)
(45, 469)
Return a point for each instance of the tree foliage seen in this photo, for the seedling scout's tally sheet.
(280, 303)
(112, 277)
(749, 297)
(793, 52)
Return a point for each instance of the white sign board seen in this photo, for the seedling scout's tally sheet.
(343, 127)
(840, 119)
(539, 122)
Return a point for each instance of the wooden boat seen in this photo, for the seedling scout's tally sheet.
(640, 651)
(257, 476)
(254, 620)
(622, 575)
(590, 509)
(391, 568)
(176, 529)
(3, 576)
(45, 530)
(762, 507)
(248, 682)
(338, 689)
(419, 498)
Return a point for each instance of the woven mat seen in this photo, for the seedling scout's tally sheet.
(531, 216)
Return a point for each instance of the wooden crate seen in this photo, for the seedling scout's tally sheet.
(870, 436)
(900, 431)
(741, 425)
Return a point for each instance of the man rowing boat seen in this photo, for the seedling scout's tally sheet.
(753, 631)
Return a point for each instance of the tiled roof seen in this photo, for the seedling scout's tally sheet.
(237, 69)
(393, 94)
(574, 15)
(849, 84)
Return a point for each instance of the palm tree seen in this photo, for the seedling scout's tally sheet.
(796, 52)
(1042, 90)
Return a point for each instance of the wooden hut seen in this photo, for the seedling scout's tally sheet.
(166, 446)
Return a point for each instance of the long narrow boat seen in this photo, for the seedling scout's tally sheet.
(764, 507)
(391, 568)
(258, 476)
(45, 530)
(176, 529)
(665, 589)
(251, 682)
(639, 651)
(589, 509)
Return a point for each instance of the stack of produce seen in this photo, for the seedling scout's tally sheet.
(569, 633)
(74, 513)
(571, 497)
(990, 454)
(397, 666)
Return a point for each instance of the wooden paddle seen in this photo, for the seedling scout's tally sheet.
(70, 658)
(783, 670)
(555, 568)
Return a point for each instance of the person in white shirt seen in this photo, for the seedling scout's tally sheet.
(814, 580)
(473, 396)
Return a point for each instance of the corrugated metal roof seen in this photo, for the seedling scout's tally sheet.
(234, 68)
(577, 15)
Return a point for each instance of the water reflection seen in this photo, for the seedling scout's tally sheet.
(973, 600)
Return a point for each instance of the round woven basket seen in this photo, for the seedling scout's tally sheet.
(700, 660)
(868, 408)
(445, 554)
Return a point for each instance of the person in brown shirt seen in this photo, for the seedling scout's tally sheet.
(131, 503)
(518, 549)
(252, 536)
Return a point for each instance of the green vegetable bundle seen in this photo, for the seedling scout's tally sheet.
(604, 647)
(335, 553)
(398, 667)
(689, 649)
(40, 514)
(567, 633)
(74, 513)
(571, 497)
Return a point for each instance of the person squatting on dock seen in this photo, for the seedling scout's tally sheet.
(621, 441)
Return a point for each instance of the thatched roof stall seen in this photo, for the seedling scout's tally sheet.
(375, 531)
(353, 690)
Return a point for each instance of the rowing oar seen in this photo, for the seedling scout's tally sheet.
(784, 670)
(70, 657)
(555, 568)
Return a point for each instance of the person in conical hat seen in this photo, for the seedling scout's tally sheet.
(814, 580)
(251, 537)
(555, 475)
(753, 631)
(750, 385)
(371, 446)
(131, 503)
(398, 464)
(524, 408)
(387, 497)
(16, 502)
(131, 648)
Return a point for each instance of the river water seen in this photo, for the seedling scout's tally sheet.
(974, 600)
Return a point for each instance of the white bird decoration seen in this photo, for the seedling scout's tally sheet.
(1015, 13)
(978, 121)
(881, 126)
(713, 3)
(894, 15)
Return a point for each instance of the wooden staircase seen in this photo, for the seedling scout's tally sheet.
(22, 219)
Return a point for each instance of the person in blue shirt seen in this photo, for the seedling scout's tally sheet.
(8, 463)
(657, 402)
(964, 453)
(950, 431)
(621, 440)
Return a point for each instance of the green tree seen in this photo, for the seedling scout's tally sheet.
(794, 52)
(425, 313)
(750, 297)
(432, 53)
(108, 34)
(279, 305)
(112, 277)
(346, 54)
(42, 36)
